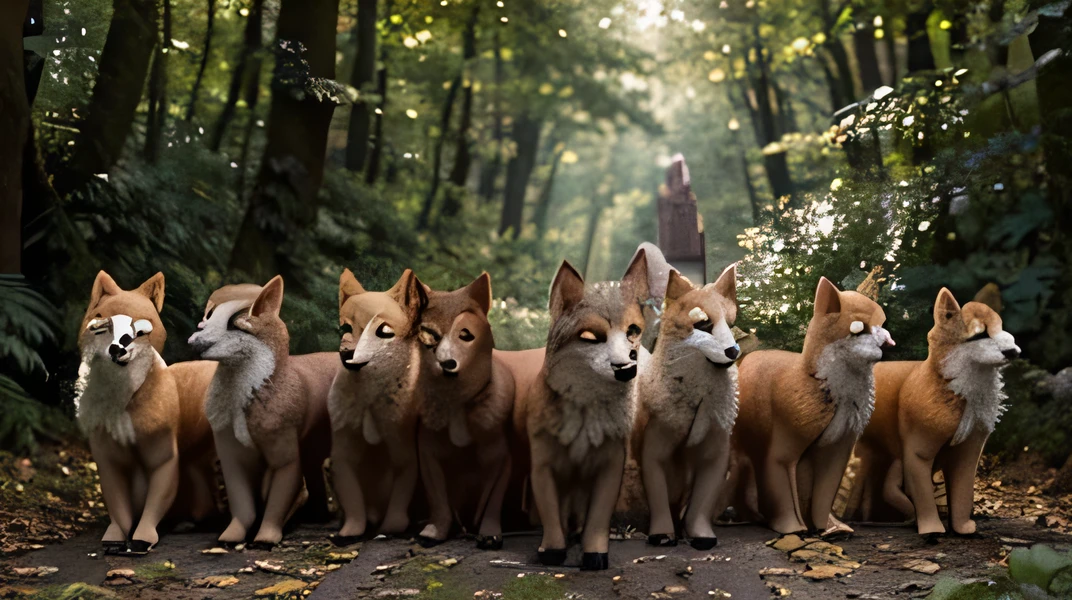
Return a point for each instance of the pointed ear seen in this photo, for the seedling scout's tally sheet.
(635, 281)
(103, 286)
(945, 306)
(270, 299)
(409, 293)
(677, 286)
(567, 290)
(348, 287)
(153, 289)
(827, 298)
(480, 290)
(726, 284)
(990, 295)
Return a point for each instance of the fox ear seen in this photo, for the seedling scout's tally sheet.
(153, 289)
(827, 298)
(945, 306)
(409, 293)
(480, 290)
(726, 284)
(990, 295)
(349, 286)
(677, 286)
(103, 286)
(635, 281)
(567, 290)
(270, 299)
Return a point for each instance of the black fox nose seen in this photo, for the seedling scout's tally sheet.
(633, 354)
(1011, 353)
(624, 371)
(733, 352)
(450, 365)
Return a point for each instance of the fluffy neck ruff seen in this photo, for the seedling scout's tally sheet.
(689, 379)
(379, 396)
(233, 388)
(104, 391)
(846, 375)
(981, 388)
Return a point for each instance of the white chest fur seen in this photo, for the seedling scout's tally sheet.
(104, 390)
(693, 395)
(845, 371)
(980, 386)
(232, 390)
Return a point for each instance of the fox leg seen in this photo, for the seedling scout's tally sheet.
(282, 455)
(918, 468)
(242, 476)
(115, 487)
(893, 490)
(160, 457)
(654, 453)
(959, 464)
(202, 485)
(496, 464)
(435, 485)
(546, 496)
(712, 460)
(779, 496)
(828, 467)
(402, 448)
(346, 455)
(604, 497)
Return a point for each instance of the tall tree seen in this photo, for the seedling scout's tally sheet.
(248, 68)
(526, 134)
(121, 71)
(437, 153)
(284, 198)
(489, 173)
(158, 88)
(463, 157)
(863, 37)
(191, 108)
(357, 140)
(14, 130)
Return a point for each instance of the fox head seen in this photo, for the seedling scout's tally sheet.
(121, 324)
(701, 318)
(241, 323)
(850, 320)
(973, 333)
(455, 327)
(595, 331)
(374, 324)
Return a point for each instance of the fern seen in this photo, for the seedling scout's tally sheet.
(26, 322)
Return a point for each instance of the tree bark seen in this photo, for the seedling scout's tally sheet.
(192, 107)
(284, 198)
(372, 171)
(248, 67)
(158, 100)
(489, 174)
(437, 153)
(543, 205)
(463, 159)
(776, 163)
(527, 136)
(123, 66)
(867, 57)
(14, 130)
(357, 140)
(920, 57)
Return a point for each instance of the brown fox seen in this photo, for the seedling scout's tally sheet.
(268, 410)
(935, 414)
(144, 420)
(688, 404)
(374, 404)
(578, 414)
(800, 414)
(466, 415)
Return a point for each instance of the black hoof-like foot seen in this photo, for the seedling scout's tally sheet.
(551, 558)
(595, 561)
(662, 540)
(264, 546)
(344, 540)
(975, 535)
(703, 543)
(114, 548)
(489, 542)
(428, 542)
(139, 547)
(932, 538)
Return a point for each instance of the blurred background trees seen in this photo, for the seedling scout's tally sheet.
(230, 140)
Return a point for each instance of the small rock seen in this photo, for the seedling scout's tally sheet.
(448, 562)
(883, 547)
(118, 581)
(128, 573)
(267, 565)
(778, 571)
(675, 589)
(777, 590)
(216, 550)
(922, 565)
(717, 593)
(287, 586)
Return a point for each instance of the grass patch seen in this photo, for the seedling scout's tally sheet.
(533, 587)
(74, 591)
(155, 571)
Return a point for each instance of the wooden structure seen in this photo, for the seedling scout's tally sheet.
(681, 235)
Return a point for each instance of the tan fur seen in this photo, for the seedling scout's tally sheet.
(915, 420)
(172, 442)
(687, 406)
(374, 404)
(784, 409)
(286, 418)
(577, 419)
(466, 413)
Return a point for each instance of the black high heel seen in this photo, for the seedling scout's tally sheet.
(489, 542)
(703, 544)
(553, 557)
(662, 540)
(595, 561)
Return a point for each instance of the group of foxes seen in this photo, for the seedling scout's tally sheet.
(418, 395)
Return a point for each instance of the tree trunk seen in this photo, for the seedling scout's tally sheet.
(192, 107)
(920, 57)
(158, 100)
(463, 158)
(248, 66)
(437, 153)
(775, 162)
(543, 205)
(284, 198)
(372, 171)
(489, 174)
(357, 140)
(121, 72)
(14, 130)
(867, 57)
(527, 136)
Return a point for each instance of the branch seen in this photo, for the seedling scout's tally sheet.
(1008, 82)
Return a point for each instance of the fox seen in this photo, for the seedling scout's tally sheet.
(374, 405)
(687, 408)
(578, 413)
(466, 416)
(267, 409)
(144, 420)
(800, 414)
(935, 414)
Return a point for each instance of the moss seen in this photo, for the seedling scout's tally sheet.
(155, 571)
(74, 591)
(533, 587)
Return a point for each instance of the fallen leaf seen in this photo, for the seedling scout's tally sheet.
(787, 543)
(675, 589)
(267, 565)
(128, 573)
(778, 571)
(216, 550)
(448, 562)
(922, 565)
(826, 571)
(287, 586)
(341, 557)
(216, 581)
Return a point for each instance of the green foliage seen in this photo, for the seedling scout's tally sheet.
(533, 587)
(27, 321)
(1035, 573)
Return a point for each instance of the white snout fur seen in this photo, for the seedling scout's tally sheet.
(369, 344)
(123, 325)
(713, 345)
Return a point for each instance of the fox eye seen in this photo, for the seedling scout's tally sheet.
(466, 336)
(589, 336)
(632, 331)
(345, 328)
(208, 315)
(385, 331)
(428, 336)
(982, 335)
(231, 322)
(705, 326)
